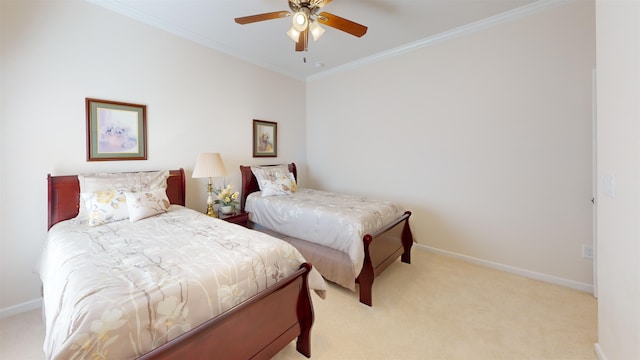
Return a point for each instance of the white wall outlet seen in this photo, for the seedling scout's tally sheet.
(587, 251)
(609, 182)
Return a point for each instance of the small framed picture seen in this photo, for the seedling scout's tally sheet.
(116, 130)
(265, 138)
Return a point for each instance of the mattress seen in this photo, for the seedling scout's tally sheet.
(336, 221)
(118, 290)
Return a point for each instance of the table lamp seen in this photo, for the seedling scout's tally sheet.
(209, 165)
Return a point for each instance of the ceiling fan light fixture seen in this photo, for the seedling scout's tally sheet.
(293, 34)
(316, 30)
(301, 20)
(306, 18)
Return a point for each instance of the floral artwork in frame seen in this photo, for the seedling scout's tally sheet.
(265, 138)
(116, 130)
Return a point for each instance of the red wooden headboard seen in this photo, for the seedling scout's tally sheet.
(64, 195)
(250, 183)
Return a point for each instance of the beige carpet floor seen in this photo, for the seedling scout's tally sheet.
(435, 308)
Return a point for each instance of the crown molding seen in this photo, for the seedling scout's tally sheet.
(146, 18)
(524, 11)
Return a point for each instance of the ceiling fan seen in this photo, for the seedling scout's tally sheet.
(306, 19)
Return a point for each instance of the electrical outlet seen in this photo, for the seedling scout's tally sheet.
(609, 182)
(587, 251)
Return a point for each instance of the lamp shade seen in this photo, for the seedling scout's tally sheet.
(209, 165)
(294, 34)
(316, 30)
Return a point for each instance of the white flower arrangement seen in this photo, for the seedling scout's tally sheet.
(226, 197)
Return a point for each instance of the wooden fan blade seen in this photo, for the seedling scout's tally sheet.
(343, 24)
(323, 3)
(262, 17)
(303, 41)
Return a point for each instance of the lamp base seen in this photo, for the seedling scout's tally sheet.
(210, 211)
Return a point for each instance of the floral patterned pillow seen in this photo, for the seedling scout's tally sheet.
(106, 206)
(145, 204)
(263, 173)
(282, 184)
(132, 181)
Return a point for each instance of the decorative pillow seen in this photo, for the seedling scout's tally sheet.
(145, 204)
(151, 180)
(268, 172)
(106, 206)
(133, 181)
(271, 176)
(284, 184)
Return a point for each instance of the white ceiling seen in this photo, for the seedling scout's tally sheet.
(394, 26)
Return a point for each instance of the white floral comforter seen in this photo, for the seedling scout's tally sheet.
(334, 220)
(119, 290)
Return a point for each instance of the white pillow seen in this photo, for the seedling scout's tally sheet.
(283, 184)
(134, 181)
(268, 172)
(273, 178)
(106, 206)
(151, 180)
(91, 183)
(142, 205)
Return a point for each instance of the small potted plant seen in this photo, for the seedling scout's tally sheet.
(227, 199)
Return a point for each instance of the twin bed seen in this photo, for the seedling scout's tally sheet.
(175, 285)
(165, 282)
(349, 239)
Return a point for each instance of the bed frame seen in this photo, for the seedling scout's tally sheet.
(258, 328)
(381, 249)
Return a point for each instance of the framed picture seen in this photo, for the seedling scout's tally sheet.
(116, 130)
(265, 138)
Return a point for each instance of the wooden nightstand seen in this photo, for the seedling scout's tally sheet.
(239, 217)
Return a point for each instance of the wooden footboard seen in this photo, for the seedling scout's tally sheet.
(256, 329)
(381, 249)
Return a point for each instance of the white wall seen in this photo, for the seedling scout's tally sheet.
(56, 53)
(485, 137)
(618, 57)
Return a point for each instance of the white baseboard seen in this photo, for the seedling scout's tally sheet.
(599, 352)
(20, 308)
(514, 270)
